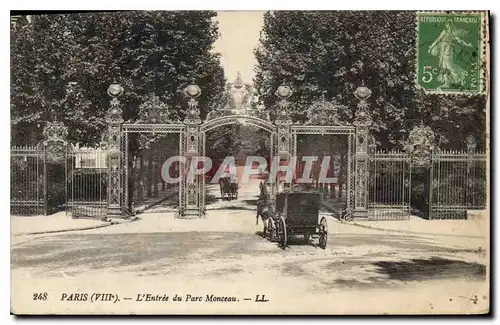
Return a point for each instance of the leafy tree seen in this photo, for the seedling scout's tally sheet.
(332, 53)
(62, 65)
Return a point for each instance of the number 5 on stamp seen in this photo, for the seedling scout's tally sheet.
(450, 47)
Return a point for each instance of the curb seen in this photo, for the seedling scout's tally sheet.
(405, 231)
(62, 230)
(107, 224)
(353, 223)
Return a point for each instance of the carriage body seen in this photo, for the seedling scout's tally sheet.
(297, 213)
(300, 210)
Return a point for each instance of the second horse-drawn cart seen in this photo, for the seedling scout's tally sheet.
(296, 213)
(228, 188)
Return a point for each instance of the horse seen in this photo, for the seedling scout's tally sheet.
(265, 206)
(224, 184)
(263, 190)
(233, 190)
(265, 209)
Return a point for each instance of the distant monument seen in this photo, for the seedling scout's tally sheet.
(238, 100)
(238, 96)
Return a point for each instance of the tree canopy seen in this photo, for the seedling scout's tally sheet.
(332, 53)
(62, 65)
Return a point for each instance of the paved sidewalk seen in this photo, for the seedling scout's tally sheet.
(477, 226)
(57, 222)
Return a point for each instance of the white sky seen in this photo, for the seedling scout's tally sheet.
(239, 35)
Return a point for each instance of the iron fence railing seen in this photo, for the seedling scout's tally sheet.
(458, 184)
(27, 181)
(453, 183)
(389, 186)
(86, 182)
(76, 184)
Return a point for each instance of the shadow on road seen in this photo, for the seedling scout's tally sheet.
(428, 269)
(259, 233)
(231, 207)
(210, 198)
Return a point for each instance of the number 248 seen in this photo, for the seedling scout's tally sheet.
(40, 296)
(428, 73)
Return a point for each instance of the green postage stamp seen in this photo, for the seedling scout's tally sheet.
(450, 52)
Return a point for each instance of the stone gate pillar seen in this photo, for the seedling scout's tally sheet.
(283, 123)
(114, 120)
(362, 123)
(192, 188)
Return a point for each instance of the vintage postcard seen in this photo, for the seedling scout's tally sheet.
(250, 162)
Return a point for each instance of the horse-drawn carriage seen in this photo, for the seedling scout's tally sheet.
(293, 213)
(228, 188)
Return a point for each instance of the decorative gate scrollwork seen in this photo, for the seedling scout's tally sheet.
(421, 145)
(55, 144)
(421, 148)
(55, 165)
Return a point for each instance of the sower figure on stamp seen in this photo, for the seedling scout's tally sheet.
(450, 73)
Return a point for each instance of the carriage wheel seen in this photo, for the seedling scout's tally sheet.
(271, 230)
(323, 233)
(282, 234)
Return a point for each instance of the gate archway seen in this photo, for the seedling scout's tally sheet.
(238, 119)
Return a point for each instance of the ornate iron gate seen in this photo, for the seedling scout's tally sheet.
(325, 131)
(86, 182)
(139, 184)
(214, 122)
(389, 185)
